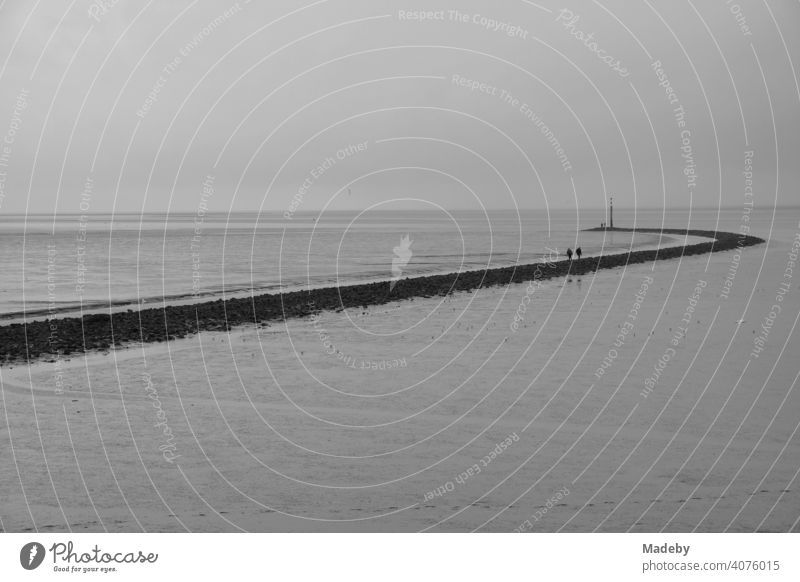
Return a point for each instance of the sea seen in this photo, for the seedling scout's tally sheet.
(56, 265)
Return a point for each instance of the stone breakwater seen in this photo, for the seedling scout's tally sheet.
(24, 342)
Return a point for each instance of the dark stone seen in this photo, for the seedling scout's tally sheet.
(96, 332)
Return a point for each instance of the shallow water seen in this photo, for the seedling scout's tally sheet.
(54, 265)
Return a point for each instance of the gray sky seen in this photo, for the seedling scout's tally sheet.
(264, 94)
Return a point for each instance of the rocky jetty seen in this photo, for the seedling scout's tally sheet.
(69, 336)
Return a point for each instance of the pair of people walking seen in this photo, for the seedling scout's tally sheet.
(578, 253)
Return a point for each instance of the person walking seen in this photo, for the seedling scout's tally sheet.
(569, 254)
(578, 252)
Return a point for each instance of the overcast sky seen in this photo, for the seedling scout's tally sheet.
(150, 99)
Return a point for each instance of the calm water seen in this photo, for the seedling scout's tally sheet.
(52, 265)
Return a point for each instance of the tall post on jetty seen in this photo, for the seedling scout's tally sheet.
(611, 214)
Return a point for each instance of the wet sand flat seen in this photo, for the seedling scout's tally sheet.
(432, 414)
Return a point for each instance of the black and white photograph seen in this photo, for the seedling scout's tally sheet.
(377, 267)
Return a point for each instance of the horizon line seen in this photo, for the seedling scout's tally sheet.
(310, 211)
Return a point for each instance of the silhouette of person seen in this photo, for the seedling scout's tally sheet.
(569, 254)
(578, 252)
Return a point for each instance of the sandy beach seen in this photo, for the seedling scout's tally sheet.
(437, 414)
